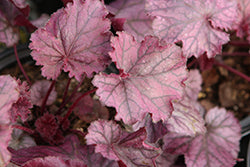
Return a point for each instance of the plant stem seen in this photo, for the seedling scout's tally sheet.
(20, 65)
(30, 131)
(75, 103)
(68, 99)
(47, 96)
(235, 54)
(233, 70)
(66, 90)
(78, 132)
(239, 43)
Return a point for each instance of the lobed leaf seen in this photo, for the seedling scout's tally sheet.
(185, 119)
(137, 22)
(198, 24)
(114, 144)
(75, 39)
(219, 146)
(8, 94)
(13, 13)
(8, 35)
(104, 134)
(152, 77)
(242, 24)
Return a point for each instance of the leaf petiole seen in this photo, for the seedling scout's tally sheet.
(75, 103)
(28, 130)
(20, 65)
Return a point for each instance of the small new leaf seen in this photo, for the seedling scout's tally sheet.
(23, 104)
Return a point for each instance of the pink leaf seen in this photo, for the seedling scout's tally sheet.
(8, 34)
(114, 144)
(9, 10)
(152, 77)
(89, 110)
(78, 50)
(53, 161)
(155, 131)
(136, 21)
(185, 119)
(218, 147)
(13, 13)
(8, 96)
(104, 134)
(38, 92)
(71, 149)
(198, 24)
(5, 137)
(242, 25)
(23, 104)
(175, 143)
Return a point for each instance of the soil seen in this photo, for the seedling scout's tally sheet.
(225, 89)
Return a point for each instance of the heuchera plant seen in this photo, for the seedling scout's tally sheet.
(158, 116)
